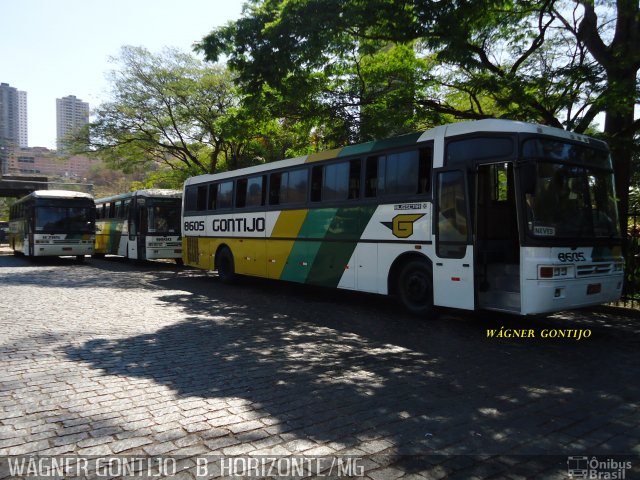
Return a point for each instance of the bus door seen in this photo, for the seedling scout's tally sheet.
(143, 228)
(137, 229)
(497, 242)
(453, 280)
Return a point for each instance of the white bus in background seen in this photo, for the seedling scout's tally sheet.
(140, 225)
(492, 214)
(49, 223)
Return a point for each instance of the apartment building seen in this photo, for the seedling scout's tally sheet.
(13, 116)
(42, 161)
(71, 115)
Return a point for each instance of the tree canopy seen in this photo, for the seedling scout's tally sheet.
(377, 67)
(170, 112)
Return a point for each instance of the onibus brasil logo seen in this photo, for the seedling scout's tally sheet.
(593, 468)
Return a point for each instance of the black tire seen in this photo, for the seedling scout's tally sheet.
(80, 258)
(225, 265)
(179, 262)
(415, 287)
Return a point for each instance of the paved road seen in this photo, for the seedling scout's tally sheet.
(115, 358)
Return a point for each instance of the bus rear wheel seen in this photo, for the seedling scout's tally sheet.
(225, 265)
(415, 287)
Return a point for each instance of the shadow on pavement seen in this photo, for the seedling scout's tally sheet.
(343, 367)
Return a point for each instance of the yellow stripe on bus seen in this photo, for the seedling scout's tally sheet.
(325, 155)
(287, 226)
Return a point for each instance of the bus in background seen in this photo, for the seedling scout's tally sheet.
(492, 214)
(140, 225)
(49, 223)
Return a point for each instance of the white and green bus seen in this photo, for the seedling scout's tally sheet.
(49, 223)
(492, 214)
(140, 225)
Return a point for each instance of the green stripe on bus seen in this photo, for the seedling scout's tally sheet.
(396, 142)
(315, 225)
(333, 256)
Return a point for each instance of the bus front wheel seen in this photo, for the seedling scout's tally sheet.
(415, 287)
(225, 265)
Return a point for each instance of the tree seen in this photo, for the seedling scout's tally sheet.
(557, 62)
(342, 88)
(167, 109)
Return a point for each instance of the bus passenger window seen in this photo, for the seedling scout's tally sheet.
(289, 187)
(341, 181)
(297, 186)
(354, 179)
(336, 182)
(241, 193)
(401, 173)
(424, 170)
(213, 195)
(275, 182)
(255, 191)
(191, 199)
(371, 177)
(225, 195)
(201, 203)
(316, 183)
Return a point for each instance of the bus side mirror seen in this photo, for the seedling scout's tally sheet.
(528, 178)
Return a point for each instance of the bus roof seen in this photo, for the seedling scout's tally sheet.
(443, 131)
(148, 192)
(57, 194)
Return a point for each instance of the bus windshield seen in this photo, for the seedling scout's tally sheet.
(573, 194)
(64, 219)
(164, 216)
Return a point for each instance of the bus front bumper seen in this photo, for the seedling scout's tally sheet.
(543, 296)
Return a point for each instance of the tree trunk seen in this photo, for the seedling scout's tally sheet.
(619, 129)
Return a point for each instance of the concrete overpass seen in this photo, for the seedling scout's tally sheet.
(18, 186)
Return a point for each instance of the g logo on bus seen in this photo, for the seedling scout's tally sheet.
(402, 225)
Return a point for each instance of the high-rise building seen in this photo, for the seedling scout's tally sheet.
(13, 116)
(23, 130)
(71, 114)
(13, 121)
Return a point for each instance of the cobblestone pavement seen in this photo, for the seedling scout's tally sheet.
(113, 358)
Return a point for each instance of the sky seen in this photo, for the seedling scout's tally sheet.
(52, 49)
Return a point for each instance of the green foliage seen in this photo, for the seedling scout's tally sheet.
(5, 205)
(355, 70)
(166, 109)
(342, 86)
